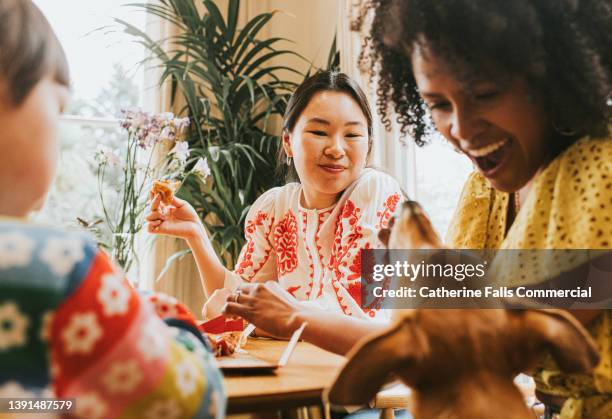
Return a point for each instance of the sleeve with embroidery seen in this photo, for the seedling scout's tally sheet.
(366, 211)
(79, 326)
(256, 261)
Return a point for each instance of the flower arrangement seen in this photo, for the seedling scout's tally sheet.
(156, 148)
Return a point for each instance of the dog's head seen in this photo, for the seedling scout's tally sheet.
(410, 230)
(428, 349)
(434, 349)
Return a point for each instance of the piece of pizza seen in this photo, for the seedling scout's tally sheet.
(224, 344)
(223, 334)
(165, 189)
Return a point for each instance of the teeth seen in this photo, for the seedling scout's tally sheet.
(481, 152)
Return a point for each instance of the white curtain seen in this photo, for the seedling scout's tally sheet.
(181, 280)
(388, 151)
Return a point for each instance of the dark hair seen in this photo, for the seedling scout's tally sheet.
(320, 82)
(562, 48)
(29, 49)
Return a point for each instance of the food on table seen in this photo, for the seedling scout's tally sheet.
(224, 344)
(223, 334)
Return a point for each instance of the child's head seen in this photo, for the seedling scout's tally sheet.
(33, 91)
(327, 134)
(535, 72)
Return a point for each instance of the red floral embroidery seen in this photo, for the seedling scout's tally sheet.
(344, 241)
(292, 290)
(258, 221)
(387, 211)
(354, 289)
(310, 260)
(286, 243)
(245, 261)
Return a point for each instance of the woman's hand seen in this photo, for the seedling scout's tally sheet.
(213, 307)
(178, 219)
(268, 306)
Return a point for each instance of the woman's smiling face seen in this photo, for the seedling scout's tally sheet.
(329, 145)
(504, 130)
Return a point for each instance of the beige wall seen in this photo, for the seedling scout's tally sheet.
(311, 24)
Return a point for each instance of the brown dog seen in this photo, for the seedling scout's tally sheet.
(459, 363)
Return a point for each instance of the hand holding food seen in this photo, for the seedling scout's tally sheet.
(165, 189)
(170, 215)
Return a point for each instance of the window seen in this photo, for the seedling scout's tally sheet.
(440, 173)
(105, 77)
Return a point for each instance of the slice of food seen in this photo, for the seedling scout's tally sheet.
(165, 189)
(223, 334)
(224, 344)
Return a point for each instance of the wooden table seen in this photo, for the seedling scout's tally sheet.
(299, 383)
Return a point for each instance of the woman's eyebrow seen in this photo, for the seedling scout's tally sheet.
(318, 120)
(354, 123)
(428, 95)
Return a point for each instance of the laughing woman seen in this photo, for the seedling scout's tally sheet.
(523, 89)
(306, 235)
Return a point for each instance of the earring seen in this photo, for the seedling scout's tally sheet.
(288, 161)
(566, 132)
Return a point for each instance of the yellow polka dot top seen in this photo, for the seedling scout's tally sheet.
(569, 207)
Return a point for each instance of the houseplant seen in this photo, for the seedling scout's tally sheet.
(232, 90)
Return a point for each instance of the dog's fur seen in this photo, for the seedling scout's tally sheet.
(459, 363)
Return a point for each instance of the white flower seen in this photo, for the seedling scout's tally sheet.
(113, 295)
(82, 333)
(151, 343)
(164, 409)
(90, 406)
(108, 155)
(61, 254)
(13, 327)
(46, 320)
(165, 306)
(201, 169)
(180, 150)
(15, 250)
(14, 390)
(186, 377)
(165, 116)
(123, 377)
(167, 134)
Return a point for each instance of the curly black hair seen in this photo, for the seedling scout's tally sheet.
(562, 47)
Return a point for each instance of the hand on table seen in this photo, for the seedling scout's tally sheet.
(268, 306)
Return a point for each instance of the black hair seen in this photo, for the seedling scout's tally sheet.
(29, 50)
(319, 82)
(562, 48)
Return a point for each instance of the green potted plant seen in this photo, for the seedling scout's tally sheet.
(231, 91)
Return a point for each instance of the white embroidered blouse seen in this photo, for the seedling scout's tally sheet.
(315, 253)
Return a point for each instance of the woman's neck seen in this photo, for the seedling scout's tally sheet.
(311, 200)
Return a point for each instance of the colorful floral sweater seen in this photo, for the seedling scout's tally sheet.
(72, 327)
(315, 254)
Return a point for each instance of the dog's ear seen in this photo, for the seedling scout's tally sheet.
(567, 340)
(370, 363)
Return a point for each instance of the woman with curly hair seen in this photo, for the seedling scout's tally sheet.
(524, 90)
